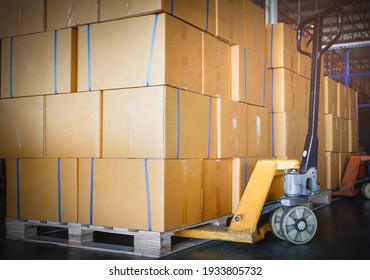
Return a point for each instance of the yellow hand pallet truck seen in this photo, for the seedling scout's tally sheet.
(290, 219)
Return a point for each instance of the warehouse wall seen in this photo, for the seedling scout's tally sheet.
(364, 128)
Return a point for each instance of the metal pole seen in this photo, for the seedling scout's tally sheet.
(271, 11)
(346, 68)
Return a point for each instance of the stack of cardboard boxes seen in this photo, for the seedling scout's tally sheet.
(137, 114)
(150, 115)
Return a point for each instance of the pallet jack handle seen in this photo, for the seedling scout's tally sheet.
(310, 152)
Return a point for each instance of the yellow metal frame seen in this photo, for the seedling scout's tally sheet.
(243, 227)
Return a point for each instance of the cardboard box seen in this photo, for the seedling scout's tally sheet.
(228, 137)
(242, 169)
(42, 63)
(352, 113)
(67, 13)
(343, 135)
(22, 127)
(217, 188)
(332, 130)
(343, 160)
(329, 90)
(254, 39)
(343, 101)
(257, 131)
(156, 122)
(303, 96)
(321, 170)
(168, 51)
(248, 76)
(47, 189)
(198, 13)
(353, 136)
(19, 17)
(283, 140)
(156, 195)
(73, 125)
(304, 62)
(281, 47)
(229, 21)
(283, 88)
(332, 171)
(216, 70)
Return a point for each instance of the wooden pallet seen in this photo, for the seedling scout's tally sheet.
(145, 243)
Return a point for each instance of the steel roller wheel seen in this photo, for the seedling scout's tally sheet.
(299, 225)
(365, 190)
(275, 222)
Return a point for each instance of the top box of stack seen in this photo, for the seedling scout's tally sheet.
(140, 51)
(19, 17)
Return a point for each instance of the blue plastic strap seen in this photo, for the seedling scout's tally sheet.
(271, 43)
(55, 61)
(91, 190)
(245, 172)
(171, 7)
(245, 73)
(148, 209)
(59, 204)
(11, 68)
(88, 57)
(272, 115)
(209, 127)
(178, 123)
(207, 14)
(151, 50)
(17, 186)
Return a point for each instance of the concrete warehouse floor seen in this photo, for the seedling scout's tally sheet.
(343, 233)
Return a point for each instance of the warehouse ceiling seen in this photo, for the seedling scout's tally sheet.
(356, 28)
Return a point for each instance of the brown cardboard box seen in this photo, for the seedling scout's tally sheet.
(217, 188)
(304, 62)
(332, 130)
(329, 90)
(50, 58)
(257, 133)
(281, 47)
(353, 136)
(343, 101)
(228, 137)
(284, 136)
(156, 195)
(200, 13)
(73, 125)
(47, 189)
(68, 13)
(156, 122)
(283, 89)
(321, 170)
(254, 38)
(343, 135)
(229, 21)
(332, 170)
(22, 127)
(303, 97)
(19, 17)
(168, 51)
(352, 113)
(216, 70)
(248, 76)
(242, 169)
(343, 160)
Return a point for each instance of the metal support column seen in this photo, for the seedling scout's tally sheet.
(346, 68)
(271, 11)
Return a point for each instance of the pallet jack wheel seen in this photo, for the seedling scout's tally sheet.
(299, 225)
(365, 190)
(275, 222)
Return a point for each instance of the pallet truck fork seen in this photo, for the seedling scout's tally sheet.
(289, 220)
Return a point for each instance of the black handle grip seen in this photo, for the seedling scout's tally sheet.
(319, 18)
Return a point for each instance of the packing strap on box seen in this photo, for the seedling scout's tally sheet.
(245, 73)
(152, 49)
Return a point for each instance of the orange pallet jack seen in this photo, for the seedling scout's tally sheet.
(357, 172)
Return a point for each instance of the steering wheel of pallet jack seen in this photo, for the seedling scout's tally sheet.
(275, 222)
(299, 225)
(365, 190)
